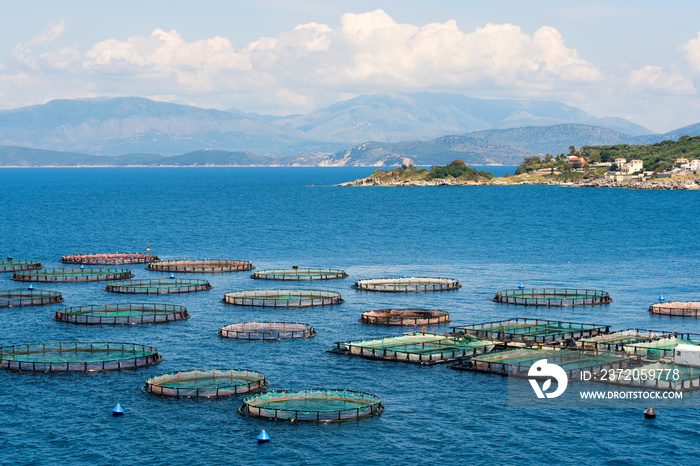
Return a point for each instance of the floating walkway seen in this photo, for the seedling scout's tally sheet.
(676, 308)
(282, 298)
(405, 317)
(200, 266)
(12, 298)
(115, 258)
(77, 357)
(557, 297)
(312, 405)
(120, 313)
(531, 331)
(13, 265)
(418, 348)
(297, 274)
(71, 275)
(158, 286)
(207, 383)
(267, 330)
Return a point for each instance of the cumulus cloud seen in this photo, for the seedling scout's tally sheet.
(656, 79)
(23, 51)
(692, 52)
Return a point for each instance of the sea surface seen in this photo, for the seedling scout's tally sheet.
(634, 244)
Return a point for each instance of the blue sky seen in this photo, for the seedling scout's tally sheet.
(638, 60)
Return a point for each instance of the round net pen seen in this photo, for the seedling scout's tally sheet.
(71, 275)
(676, 308)
(116, 258)
(13, 265)
(297, 274)
(200, 266)
(12, 298)
(267, 330)
(138, 313)
(158, 286)
(407, 284)
(405, 317)
(77, 357)
(282, 298)
(207, 383)
(312, 405)
(557, 297)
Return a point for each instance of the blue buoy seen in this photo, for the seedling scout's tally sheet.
(661, 298)
(172, 275)
(82, 267)
(30, 287)
(263, 437)
(404, 276)
(117, 410)
(521, 286)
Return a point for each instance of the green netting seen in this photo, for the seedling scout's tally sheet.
(13, 265)
(200, 266)
(405, 317)
(552, 297)
(312, 405)
(122, 313)
(407, 284)
(158, 286)
(676, 308)
(71, 275)
(76, 357)
(115, 258)
(206, 383)
(297, 273)
(11, 298)
(617, 341)
(282, 298)
(532, 330)
(267, 330)
(663, 346)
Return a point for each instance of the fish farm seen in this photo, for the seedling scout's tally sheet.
(297, 273)
(200, 266)
(621, 340)
(208, 383)
(12, 298)
(11, 265)
(282, 298)
(158, 286)
(71, 275)
(417, 348)
(552, 297)
(405, 317)
(77, 357)
(531, 331)
(676, 308)
(120, 313)
(312, 405)
(116, 258)
(267, 330)
(407, 284)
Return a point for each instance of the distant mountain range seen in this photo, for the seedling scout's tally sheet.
(379, 130)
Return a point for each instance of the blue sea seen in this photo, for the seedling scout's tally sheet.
(634, 244)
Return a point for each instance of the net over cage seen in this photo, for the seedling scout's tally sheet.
(312, 405)
(200, 266)
(206, 383)
(12, 298)
(552, 297)
(71, 275)
(299, 273)
(114, 258)
(405, 317)
(407, 284)
(14, 265)
(122, 313)
(77, 357)
(531, 331)
(267, 330)
(283, 298)
(676, 308)
(158, 286)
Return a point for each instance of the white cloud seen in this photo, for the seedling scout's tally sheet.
(23, 51)
(692, 52)
(656, 79)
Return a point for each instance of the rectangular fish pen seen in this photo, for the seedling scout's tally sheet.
(619, 340)
(662, 347)
(517, 362)
(418, 348)
(531, 331)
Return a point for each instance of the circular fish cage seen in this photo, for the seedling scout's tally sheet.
(299, 273)
(282, 298)
(71, 275)
(407, 284)
(405, 317)
(676, 308)
(312, 405)
(200, 266)
(12, 298)
(158, 286)
(115, 258)
(207, 383)
(552, 297)
(267, 330)
(12, 265)
(77, 357)
(139, 313)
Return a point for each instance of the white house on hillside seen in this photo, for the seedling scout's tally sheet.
(632, 167)
(691, 166)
